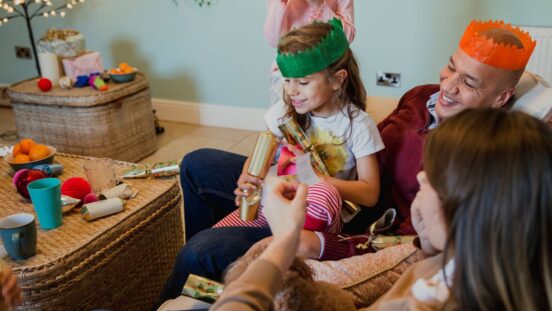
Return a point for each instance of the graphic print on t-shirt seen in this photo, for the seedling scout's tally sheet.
(331, 149)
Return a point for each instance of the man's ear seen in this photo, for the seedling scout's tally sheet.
(504, 97)
(339, 78)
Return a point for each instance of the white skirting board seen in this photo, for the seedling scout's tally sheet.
(210, 115)
(241, 117)
(4, 101)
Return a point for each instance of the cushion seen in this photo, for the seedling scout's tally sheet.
(368, 276)
(533, 95)
(184, 303)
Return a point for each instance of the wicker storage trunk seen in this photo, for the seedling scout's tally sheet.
(119, 262)
(117, 123)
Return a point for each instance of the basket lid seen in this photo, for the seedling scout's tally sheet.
(28, 92)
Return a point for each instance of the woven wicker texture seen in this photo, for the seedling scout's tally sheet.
(118, 262)
(28, 92)
(117, 123)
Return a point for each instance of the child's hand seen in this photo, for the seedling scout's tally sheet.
(295, 149)
(246, 184)
(11, 293)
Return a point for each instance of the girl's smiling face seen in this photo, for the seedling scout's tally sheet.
(313, 93)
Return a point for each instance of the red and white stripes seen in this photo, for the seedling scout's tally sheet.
(323, 211)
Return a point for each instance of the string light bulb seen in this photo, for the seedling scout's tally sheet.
(43, 8)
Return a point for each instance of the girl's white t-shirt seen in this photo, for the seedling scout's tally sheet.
(338, 145)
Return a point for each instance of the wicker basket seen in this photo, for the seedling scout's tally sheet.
(118, 262)
(117, 123)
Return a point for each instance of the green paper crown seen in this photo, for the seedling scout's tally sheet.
(303, 63)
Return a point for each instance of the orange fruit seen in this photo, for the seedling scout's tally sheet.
(38, 152)
(16, 149)
(21, 158)
(26, 145)
(124, 67)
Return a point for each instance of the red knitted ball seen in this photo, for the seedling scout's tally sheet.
(76, 187)
(89, 198)
(24, 177)
(44, 84)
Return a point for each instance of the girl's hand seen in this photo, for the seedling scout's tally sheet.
(11, 293)
(285, 207)
(293, 148)
(246, 184)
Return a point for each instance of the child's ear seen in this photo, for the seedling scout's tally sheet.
(339, 78)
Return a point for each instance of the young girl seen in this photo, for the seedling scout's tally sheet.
(325, 95)
(284, 15)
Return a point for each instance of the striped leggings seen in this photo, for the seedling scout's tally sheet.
(323, 211)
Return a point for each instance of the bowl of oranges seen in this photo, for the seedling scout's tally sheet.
(27, 153)
(123, 73)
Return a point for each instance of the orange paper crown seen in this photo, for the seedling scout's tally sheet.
(500, 55)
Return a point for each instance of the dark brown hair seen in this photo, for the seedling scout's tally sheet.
(492, 170)
(352, 89)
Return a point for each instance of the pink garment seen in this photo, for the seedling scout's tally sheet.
(284, 15)
(285, 164)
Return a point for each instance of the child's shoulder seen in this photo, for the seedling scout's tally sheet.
(356, 114)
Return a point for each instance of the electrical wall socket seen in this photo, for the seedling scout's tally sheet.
(23, 52)
(388, 79)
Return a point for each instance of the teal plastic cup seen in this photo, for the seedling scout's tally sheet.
(46, 197)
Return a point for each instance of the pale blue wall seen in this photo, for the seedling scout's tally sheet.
(536, 13)
(218, 55)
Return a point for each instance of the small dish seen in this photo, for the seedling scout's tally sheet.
(123, 77)
(18, 166)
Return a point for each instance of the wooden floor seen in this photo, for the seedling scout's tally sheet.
(177, 140)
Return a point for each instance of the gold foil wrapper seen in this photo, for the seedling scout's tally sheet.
(161, 169)
(263, 154)
(164, 169)
(380, 242)
(202, 288)
(249, 206)
(260, 162)
(295, 135)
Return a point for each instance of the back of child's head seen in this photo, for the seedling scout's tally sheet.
(308, 48)
(492, 170)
